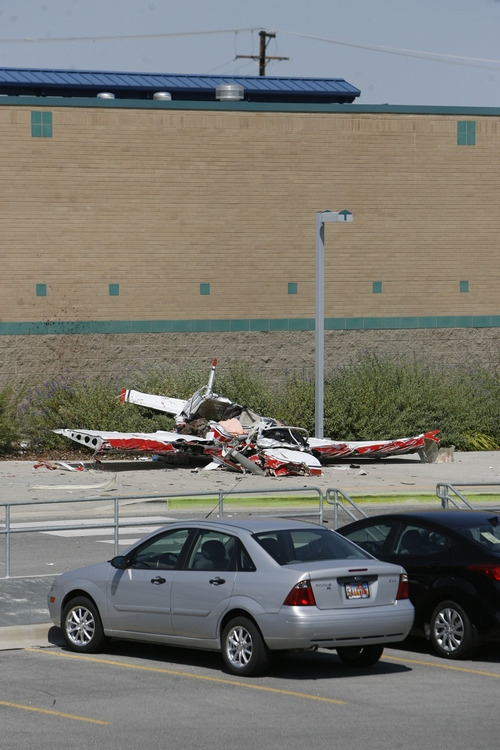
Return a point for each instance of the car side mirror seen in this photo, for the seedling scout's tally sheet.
(119, 562)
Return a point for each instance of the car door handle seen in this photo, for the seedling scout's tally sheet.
(217, 581)
(158, 580)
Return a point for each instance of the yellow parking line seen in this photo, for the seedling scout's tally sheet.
(186, 674)
(442, 666)
(53, 713)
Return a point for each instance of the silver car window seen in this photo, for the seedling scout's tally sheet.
(162, 551)
(308, 545)
(212, 550)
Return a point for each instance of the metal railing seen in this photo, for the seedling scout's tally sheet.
(448, 493)
(354, 511)
(333, 496)
(120, 523)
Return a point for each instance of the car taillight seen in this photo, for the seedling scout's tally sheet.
(301, 595)
(403, 587)
(487, 569)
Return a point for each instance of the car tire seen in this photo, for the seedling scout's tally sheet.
(81, 626)
(244, 652)
(451, 631)
(360, 656)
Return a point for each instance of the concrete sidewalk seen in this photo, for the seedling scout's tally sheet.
(24, 619)
(20, 481)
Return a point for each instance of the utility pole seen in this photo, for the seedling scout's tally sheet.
(262, 57)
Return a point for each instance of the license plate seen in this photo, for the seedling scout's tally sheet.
(358, 590)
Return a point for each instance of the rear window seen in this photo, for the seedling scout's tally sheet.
(291, 546)
(487, 534)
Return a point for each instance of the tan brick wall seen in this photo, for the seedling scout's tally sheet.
(160, 201)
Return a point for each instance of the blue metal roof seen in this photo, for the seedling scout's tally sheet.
(84, 83)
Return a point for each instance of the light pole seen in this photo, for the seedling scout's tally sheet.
(322, 218)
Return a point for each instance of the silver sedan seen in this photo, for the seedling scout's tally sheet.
(245, 588)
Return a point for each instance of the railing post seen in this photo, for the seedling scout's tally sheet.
(7, 541)
(117, 525)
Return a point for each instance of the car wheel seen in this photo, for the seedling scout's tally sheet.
(81, 625)
(451, 631)
(360, 656)
(243, 649)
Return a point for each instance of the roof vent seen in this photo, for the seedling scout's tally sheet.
(162, 96)
(229, 92)
(105, 95)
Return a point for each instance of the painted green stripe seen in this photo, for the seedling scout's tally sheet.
(17, 328)
(93, 102)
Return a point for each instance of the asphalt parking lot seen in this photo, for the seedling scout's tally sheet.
(133, 693)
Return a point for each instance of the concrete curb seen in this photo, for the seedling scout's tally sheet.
(25, 636)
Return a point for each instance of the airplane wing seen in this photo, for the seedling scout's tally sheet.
(159, 403)
(141, 442)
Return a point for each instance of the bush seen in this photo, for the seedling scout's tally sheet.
(373, 398)
(8, 423)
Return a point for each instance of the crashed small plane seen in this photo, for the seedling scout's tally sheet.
(238, 438)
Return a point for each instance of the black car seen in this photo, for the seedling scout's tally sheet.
(452, 558)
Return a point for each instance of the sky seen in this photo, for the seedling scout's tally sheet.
(405, 52)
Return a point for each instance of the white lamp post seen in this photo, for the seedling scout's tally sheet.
(322, 218)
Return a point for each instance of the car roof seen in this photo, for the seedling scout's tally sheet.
(252, 525)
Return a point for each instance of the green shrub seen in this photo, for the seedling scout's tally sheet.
(9, 435)
(372, 398)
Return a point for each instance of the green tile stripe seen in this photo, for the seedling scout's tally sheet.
(246, 324)
(242, 106)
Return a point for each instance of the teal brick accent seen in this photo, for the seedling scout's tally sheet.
(464, 286)
(280, 324)
(481, 321)
(220, 326)
(16, 328)
(41, 290)
(141, 326)
(408, 322)
(181, 326)
(240, 325)
(259, 325)
(41, 124)
(205, 289)
(427, 322)
(380, 324)
(292, 287)
(466, 133)
(301, 324)
(333, 324)
(377, 287)
(354, 324)
(161, 326)
(114, 290)
(200, 326)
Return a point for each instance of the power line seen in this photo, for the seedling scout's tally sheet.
(440, 57)
(434, 56)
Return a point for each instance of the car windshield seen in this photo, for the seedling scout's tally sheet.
(486, 533)
(291, 546)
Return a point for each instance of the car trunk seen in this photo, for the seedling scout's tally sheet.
(355, 585)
